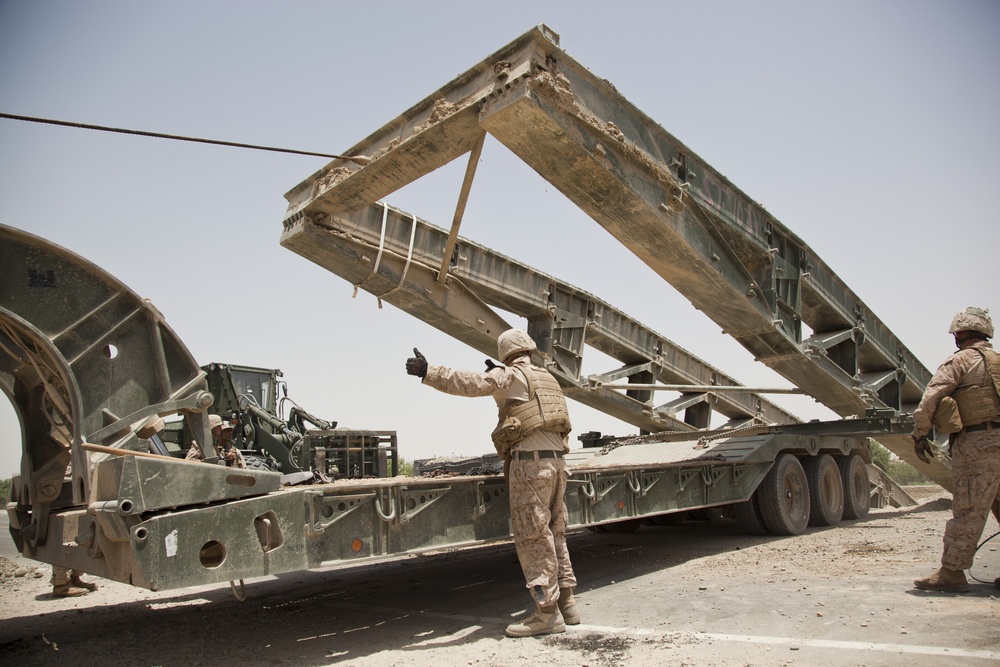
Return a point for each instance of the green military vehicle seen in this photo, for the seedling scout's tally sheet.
(248, 398)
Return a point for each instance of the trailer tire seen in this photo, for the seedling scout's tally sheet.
(255, 462)
(826, 491)
(624, 526)
(749, 517)
(671, 519)
(784, 497)
(710, 514)
(857, 497)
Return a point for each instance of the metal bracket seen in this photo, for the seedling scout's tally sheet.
(711, 474)
(648, 482)
(324, 511)
(480, 508)
(196, 402)
(597, 494)
(586, 487)
(386, 517)
(412, 503)
(739, 471)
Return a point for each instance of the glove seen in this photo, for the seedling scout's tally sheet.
(490, 365)
(417, 364)
(922, 448)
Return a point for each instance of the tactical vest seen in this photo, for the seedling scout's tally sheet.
(978, 405)
(545, 407)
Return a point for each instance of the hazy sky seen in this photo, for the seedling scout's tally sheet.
(868, 128)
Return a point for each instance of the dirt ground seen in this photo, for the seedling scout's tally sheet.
(697, 594)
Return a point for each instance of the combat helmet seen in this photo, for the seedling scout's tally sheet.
(513, 341)
(972, 319)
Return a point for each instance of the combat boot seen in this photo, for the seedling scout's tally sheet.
(567, 605)
(545, 621)
(944, 580)
(68, 591)
(75, 580)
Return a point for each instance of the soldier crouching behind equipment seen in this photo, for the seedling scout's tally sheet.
(222, 440)
(531, 438)
(969, 380)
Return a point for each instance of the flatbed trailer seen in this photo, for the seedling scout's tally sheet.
(164, 523)
(90, 367)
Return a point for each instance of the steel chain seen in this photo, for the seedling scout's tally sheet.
(702, 443)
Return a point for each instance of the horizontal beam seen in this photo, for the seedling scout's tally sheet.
(702, 388)
(349, 245)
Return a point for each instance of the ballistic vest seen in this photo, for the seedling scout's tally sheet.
(545, 407)
(981, 404)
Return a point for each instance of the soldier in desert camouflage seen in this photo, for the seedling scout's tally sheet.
(971, 378)
(532, 439)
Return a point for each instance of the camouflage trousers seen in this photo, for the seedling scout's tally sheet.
(61, 575)
(538, 518)
(975, 465)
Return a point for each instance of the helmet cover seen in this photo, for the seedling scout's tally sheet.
(972, 319)
(513, 341)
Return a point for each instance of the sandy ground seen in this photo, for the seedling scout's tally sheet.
(698, 594)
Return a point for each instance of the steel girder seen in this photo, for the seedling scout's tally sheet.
(723, 251)
(393, 255)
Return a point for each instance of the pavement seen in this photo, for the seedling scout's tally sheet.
(698, 594)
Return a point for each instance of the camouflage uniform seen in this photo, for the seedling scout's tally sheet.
(194, 454)
(537, 486)
(69, 583)
(233, 458)
(975, 454)
(61, 575)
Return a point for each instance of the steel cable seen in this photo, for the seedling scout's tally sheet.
(359, 159)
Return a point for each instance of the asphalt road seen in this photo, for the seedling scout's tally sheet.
(698, 594)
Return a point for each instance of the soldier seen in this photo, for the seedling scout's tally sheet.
(222, 436)
(971, 377)
(215, 426)
(531, 438)
(227, 451)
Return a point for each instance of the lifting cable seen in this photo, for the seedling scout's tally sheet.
(359, 159)
(981, 545)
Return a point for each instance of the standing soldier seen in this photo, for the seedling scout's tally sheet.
(970, 377)
(531, 438)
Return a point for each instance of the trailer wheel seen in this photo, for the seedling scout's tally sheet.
(625, 526)
(710, 514)
(857, 497)
(255, 462)
(784, 497)
(826, 491)
(671, 519)
(749, 517)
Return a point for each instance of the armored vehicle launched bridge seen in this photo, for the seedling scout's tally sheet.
(724, 252)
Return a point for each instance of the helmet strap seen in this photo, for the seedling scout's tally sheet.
(967, 337)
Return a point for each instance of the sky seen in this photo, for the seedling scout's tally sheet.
(867, 128)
